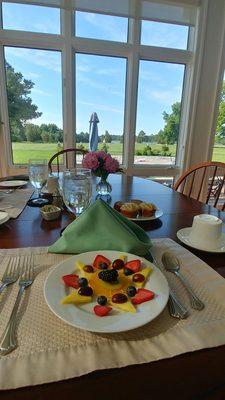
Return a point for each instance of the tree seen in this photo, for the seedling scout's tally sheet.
(33, 133)
(142, 137)
(108, 137)
(172, 123)
(220, 128)
(20, 105)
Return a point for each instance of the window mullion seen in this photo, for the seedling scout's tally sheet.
(68, 81)
(131, 94)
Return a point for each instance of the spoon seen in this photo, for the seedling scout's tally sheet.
(176, 309)
(172, 264)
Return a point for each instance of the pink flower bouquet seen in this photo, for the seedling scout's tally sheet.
(101, 163)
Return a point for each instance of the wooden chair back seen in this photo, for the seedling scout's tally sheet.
(65, 153)
(204, 182)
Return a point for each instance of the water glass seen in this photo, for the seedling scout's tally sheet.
(38, 173)
(76, 190)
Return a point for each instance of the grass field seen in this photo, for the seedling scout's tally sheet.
(22, 152)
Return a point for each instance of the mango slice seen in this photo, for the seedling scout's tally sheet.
(76, 298)
(128, 306)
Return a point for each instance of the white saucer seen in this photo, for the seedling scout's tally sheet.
(183, 236)
(12, 184)
(4, 216)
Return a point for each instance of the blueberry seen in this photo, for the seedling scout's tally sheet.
(103, 265)
(131, 291)
(85, 291)
(128, 271)
(102, 300)
(83, 282)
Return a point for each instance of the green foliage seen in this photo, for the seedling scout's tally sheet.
(220, 128)
(20, 105)
(172, 122)
(105, 148)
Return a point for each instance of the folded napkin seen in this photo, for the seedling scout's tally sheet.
(101, 227)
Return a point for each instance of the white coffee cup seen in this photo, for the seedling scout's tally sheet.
(206, 231)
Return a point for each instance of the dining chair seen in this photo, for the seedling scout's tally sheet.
(65, 153)
(204, 182)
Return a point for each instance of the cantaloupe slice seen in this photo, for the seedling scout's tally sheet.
(76, 298)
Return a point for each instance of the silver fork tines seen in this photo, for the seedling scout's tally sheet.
(8, 339)
(11, 273)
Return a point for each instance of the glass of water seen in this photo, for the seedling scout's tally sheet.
(77, 190)
(38, 175)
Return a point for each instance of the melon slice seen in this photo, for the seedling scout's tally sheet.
(76, 298)
(83, 273)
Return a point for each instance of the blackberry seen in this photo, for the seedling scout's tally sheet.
(109, 275)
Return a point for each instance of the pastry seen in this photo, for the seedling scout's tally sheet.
(136, 201)
(147, 209)
(118, 205)
(130, 210)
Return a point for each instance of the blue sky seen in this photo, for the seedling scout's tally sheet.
(100, 80)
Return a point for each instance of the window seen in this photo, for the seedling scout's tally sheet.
(127, 61)
(219, 144)
(99, 26)
(100, 88)
(158, 112)
(31, 18)
(164, 35)
(33, 79)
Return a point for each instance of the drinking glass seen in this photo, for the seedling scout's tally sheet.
(77, 189)
(38, 175)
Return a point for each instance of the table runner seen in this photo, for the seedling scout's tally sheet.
(14, 203)
(50, 350)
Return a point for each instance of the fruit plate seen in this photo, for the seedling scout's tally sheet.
(12, 184)
(158, 214)
(83, 316)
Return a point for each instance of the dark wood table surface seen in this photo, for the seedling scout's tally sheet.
(195, 375)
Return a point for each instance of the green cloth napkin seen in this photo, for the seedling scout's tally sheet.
(101, 227)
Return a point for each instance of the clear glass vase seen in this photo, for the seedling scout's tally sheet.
(103, 187)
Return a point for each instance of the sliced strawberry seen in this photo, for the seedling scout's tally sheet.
(100, 259)
(102, 311)
(71, 280)
(142, 296)
(134, 265)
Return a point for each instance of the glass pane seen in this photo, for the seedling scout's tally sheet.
(99, 26)
(164, 35)
(219, 144)
(100, 88)
(34, 91)
(23, 17)
(158, 112)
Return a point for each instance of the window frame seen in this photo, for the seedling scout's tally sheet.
(68, 44)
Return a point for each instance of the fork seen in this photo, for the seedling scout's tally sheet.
(11, 273)
(8, 340)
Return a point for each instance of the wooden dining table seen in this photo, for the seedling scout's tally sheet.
(196, 375)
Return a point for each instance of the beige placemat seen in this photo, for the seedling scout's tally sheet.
(14, 203)
(50, 350)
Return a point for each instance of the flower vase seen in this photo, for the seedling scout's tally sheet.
(103, 187)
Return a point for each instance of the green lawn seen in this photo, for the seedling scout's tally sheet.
(22, 152)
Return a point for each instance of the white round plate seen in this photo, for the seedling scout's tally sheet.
(83, 316)
(158, 214)
(15, 183)
(4, 216)
(183, 236)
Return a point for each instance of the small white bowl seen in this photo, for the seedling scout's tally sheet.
(49, 212)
